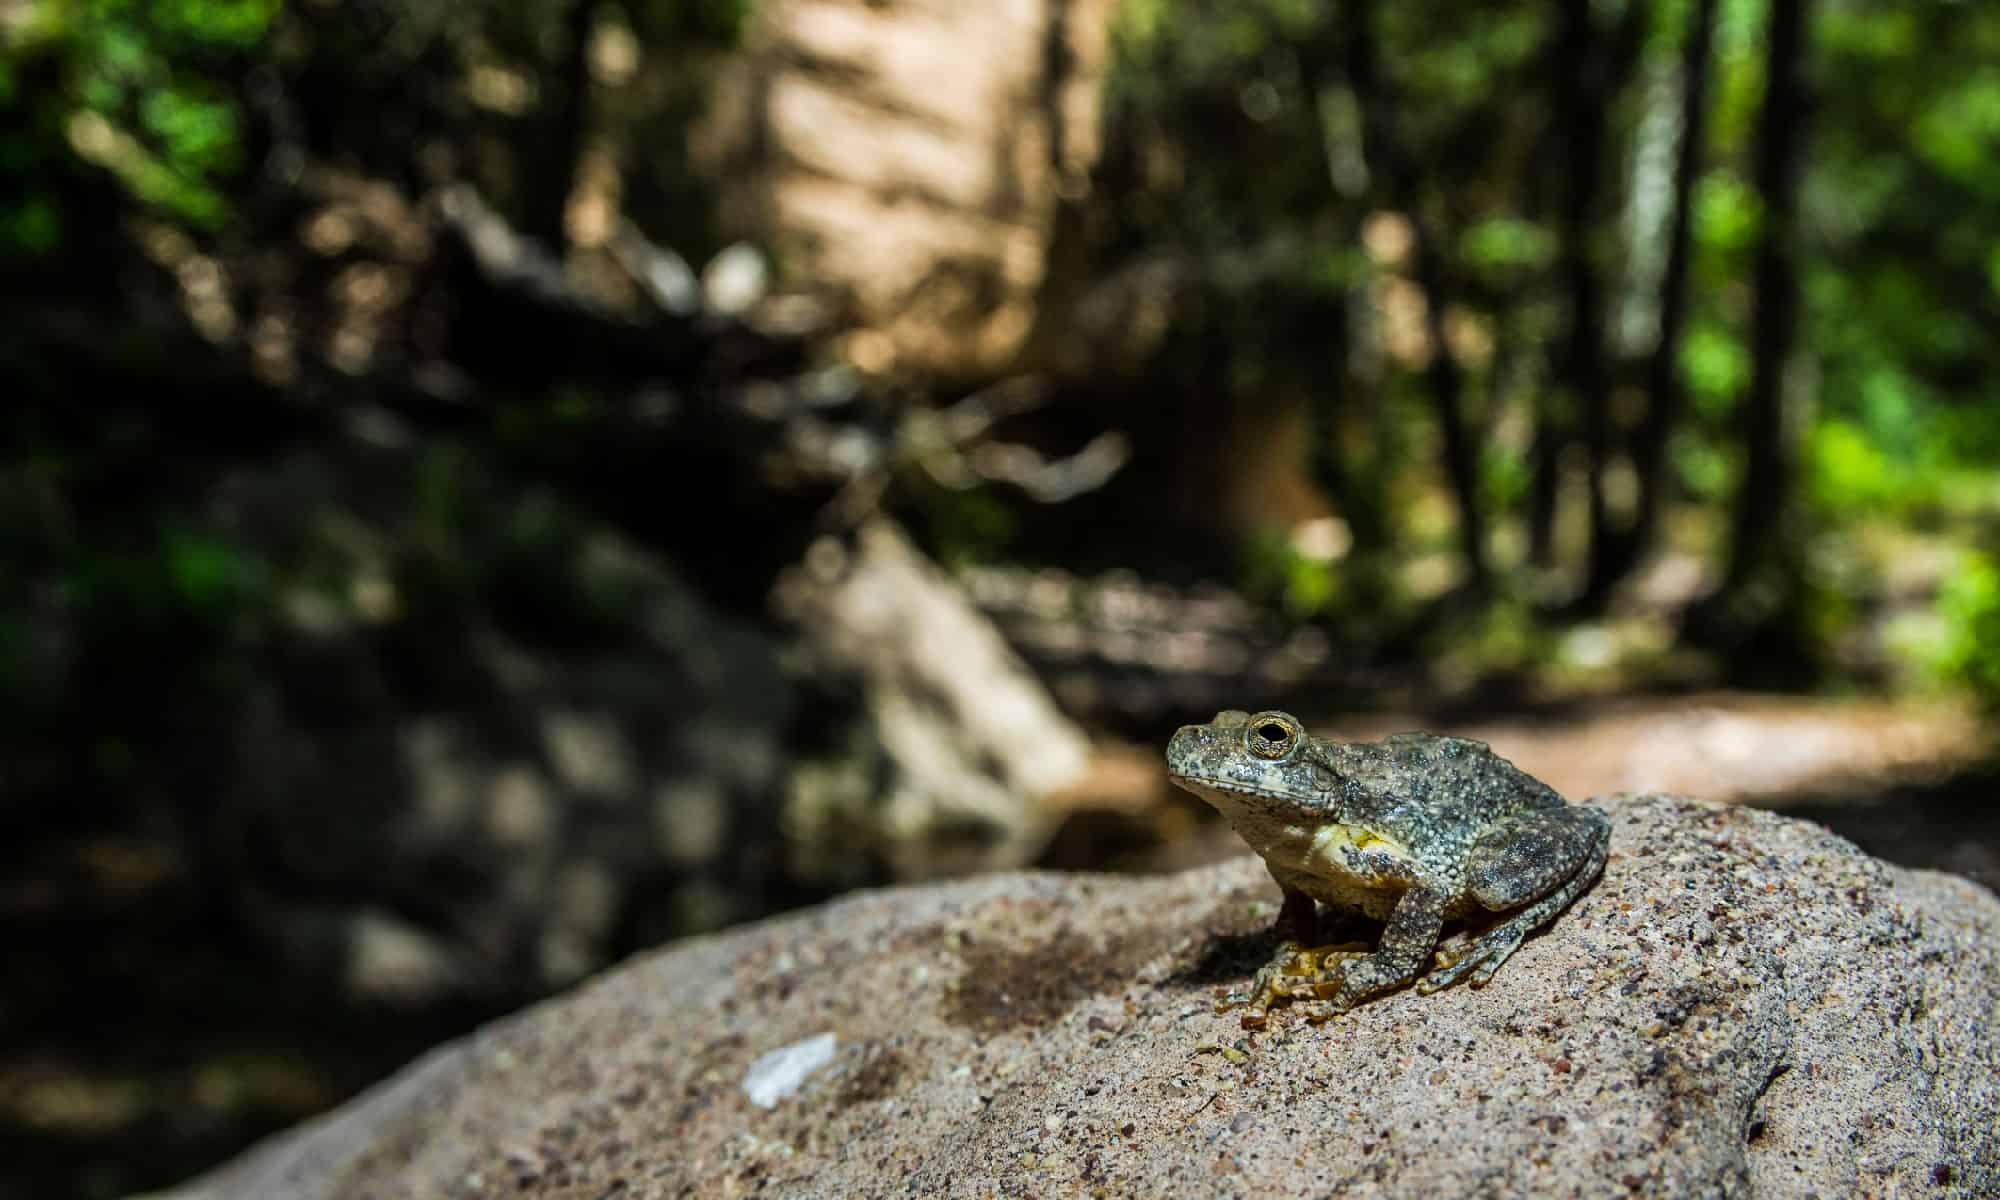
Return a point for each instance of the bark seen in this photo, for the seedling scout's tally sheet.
(1342, 401)
(1551, 435)
(1582, 97)
(563, 133)
(1665, 397)
(1761, 547)
(1383, 150)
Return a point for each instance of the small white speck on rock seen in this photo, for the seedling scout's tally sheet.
(783, 1071)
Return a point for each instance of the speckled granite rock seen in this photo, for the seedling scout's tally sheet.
(1745, 1005)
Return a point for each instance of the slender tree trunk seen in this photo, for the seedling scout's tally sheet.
(1447, 384)
(563, 130)
(1383, 151)
(1663, 380)
(1545, 482)
(1341, 399)
(1761, 547)
(1582, 97)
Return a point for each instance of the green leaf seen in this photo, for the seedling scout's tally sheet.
(1727, 213)
(1508, 243)
(1716, 364)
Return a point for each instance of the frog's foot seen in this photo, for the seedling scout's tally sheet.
(1302, 972)
(1313, 961)
(1318, 1012)
(1291, 973)
(1264, 987)
(1326, 986)
(1476, 961)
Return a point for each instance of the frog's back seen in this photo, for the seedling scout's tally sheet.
(1466, 774)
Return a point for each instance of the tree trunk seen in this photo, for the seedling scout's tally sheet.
(563, 129)
(1343, 399)
(1664, 396)
(1582, 98)
(1764, 505)
(1545, 486)
(1384, 153)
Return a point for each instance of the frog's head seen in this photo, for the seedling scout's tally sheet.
(1261, 765)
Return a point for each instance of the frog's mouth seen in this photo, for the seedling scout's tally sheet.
(1230, 796)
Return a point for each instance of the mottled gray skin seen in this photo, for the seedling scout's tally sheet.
(1414, 830)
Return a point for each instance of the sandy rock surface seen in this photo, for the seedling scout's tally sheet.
(1744, 1005)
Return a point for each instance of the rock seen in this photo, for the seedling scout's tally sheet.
(736, 279)
(962, 745)
(1744, 1005)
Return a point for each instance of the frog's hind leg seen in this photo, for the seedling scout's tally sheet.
(1544, 860)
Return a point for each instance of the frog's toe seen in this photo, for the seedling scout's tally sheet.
(1315, 960)
(1482, 974)
(1441, 977)
(1319, 1011)
(1474, 964)
(1270, 984)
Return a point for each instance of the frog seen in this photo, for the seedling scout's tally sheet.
(1416, 830)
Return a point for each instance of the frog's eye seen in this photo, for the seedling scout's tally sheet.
(1272, 735)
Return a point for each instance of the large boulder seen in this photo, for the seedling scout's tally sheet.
(1745, 1004)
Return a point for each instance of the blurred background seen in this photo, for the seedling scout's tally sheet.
(489, 487)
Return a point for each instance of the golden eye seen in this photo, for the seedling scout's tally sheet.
(1272, 735)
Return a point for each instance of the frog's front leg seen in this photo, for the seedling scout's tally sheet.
(1297, 927)
(1408, 940)
(1543, 860)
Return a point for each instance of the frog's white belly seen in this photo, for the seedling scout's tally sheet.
(1317, 862)
(1343, 891)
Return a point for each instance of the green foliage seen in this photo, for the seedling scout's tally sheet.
(1904, 303)
(1707, 467)
(1202, 38)
(1969, 607)
(1277, 573)
(1957, 129)
(1505, 245)
(1506, 476)
(207, 575)
(1848, 472)
(1727, 213)
(1483, 44)
(137, 88)
(32, 226)
(967, 525)
(1716, 364)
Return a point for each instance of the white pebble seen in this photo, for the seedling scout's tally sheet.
(778, 1074)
